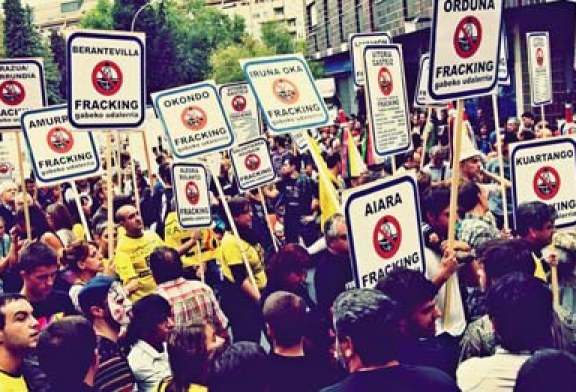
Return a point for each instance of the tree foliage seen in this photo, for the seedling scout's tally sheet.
(58, 48)
(99, 17)
(21, 39)
(2, 50)
(225, 62)
(180, 36)
(277, 37)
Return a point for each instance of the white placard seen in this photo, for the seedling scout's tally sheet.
(540, 68)
(22, 88)
(242, 110)
(545, 171)
(58, 152)
(193, 119)
(191, 191)
(387, 101)
(421, 97)
(464, 48)
(286, 92)
(106, 79)
(383, 222)
(252, 164)
(358, 42)
(503, 71)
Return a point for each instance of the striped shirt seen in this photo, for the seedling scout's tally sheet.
(114, 374)
(193, 300)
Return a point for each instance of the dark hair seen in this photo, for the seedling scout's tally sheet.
(468, 196)
(520, 307)
(164, 173)
(501, 257)
(238, 205)
(400, 281)
(165, 264)
(290, 258)
(370, 320)
(528, 115)
(38, 222)
(147, 314)
(76, 252)
(60, 215)
(242, 364)
(547, 370)
(280, 141)
(37, 254)
(66, 349)
(533, 215)
(293, 160)
(188, 356)
(332, 160)
(435, 201)
(527, 135)
(286, 315)
(5, 299)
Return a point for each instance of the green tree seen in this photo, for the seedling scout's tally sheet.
(58, 48)
(23, 40)
(316, 67)
(2, 50)
(276, 36)
(216, 27)
(99, 17)
(225, 62)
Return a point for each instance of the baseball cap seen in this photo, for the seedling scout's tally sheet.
(94, 293)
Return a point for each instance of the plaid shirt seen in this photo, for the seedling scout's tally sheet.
(193, 300)
(475, 230)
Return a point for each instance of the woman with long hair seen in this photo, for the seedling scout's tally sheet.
(189, 348)
(84, 260)
(60, 221)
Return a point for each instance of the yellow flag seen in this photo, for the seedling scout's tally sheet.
(329, 203)
(356, 165)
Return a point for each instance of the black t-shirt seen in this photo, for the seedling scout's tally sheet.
(289, 374)
(333, 274)
(52, 308)
(296, 195)
(401, 378)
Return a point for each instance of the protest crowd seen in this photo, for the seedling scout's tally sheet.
(398, 248)
(179, 310)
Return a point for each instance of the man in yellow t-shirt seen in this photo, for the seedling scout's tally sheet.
(186, 243)
(132, 253)
(20, 331)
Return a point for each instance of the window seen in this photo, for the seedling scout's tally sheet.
(70, 6)
(341, 21)
(327, 24)
(312, 14)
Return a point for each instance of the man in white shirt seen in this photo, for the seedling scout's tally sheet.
(520, 308)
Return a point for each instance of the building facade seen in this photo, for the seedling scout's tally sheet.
(330, 23)
(59, 14)
(257, 12)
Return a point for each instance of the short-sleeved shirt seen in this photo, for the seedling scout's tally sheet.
(131, 262)
(495, 373)
(12, 383)
(148, 366)
(176, 237)
(232, 249)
